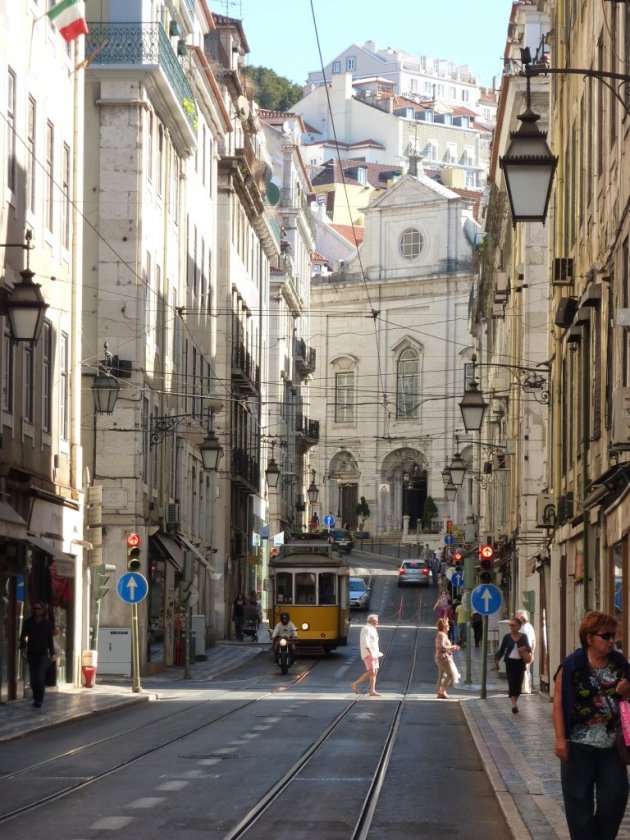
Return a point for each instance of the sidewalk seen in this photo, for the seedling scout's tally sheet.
(516, 750)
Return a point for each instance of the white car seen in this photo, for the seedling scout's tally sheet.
(414, 571)
(358, 594)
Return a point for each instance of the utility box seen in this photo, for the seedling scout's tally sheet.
(198, 627)
(114, 650)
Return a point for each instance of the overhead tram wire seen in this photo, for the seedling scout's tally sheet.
(374, 312)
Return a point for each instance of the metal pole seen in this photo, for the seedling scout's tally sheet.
(188, 634)
(484, 658)
(135, 650)
(469, 575)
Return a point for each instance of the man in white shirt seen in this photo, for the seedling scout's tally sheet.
(370, 654)
(528, 630)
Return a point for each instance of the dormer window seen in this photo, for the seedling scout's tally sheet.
(336, 68)
(362, 176)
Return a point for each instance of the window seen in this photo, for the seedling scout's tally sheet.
(351, 64)
(344, 397)
(336, 68)
(471, 180)
(64, 386)
(429, 115)
(160, 160)
(47, 371)
(284, 588)
(65, 202)
(8, 371)
(50, 174)
(11, 161)
(414, 85)
(210, 162)
(31, 137)
(150, 146)
(28, 383)
(411, 244)
(452, 93)
(204, 162)
(362, 175)
(465, 95)
(304, 588)
(431, 150)
(450, 155)
(407, 384)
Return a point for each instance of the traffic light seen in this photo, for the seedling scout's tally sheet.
(457, 557)
(486, 553)
(101, 576)
(449, 526)
(133, 552)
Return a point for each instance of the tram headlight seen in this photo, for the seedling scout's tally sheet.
(305, 625)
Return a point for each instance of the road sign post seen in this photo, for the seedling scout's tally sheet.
(132, 587)
(486, 600)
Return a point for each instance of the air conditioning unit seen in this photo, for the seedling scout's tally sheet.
(172, 520)
(499, 461)
(545, 511)
(563, 271)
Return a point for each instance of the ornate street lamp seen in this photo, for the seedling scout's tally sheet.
(272, 473)
(473, 407)
(106, 387)
(313, 490)
(450, 491)
(24, 304)
(211, 449)
(457, 469)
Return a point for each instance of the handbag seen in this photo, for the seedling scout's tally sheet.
(623, 750)
(525, 654)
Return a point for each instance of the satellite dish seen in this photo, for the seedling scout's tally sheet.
(243, 107)
(273, 193)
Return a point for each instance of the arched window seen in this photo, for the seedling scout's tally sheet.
(407, 384)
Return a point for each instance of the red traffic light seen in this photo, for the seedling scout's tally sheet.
(486, 551)
(457, 556)
(133, 540)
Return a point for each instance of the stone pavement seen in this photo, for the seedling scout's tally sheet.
(516, 750)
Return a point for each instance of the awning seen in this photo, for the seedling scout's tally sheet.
(169, 549)
(11, 523)
(46, 546)
(188, 546)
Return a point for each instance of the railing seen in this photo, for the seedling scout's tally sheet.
(308, 428)
(305, 356)
(245, 467)
(141, 44)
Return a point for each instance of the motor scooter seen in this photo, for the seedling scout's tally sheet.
(283, 655)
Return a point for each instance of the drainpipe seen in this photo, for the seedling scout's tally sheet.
(583, 319)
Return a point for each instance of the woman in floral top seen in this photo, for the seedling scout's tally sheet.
(588, 687)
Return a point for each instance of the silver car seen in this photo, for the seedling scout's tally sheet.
(414, 571)
(358, 594)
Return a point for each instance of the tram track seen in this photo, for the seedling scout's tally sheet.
(282, 787)
(82, 782)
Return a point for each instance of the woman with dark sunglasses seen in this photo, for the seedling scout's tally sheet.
(589, 684)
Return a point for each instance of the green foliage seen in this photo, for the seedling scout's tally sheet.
(273, 92)
(362, 510)
(429, 512)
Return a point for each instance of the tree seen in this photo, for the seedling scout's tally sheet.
(362, 510)
(429, 512)
(273, 92)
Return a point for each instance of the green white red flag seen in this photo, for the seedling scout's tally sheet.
(69, 18)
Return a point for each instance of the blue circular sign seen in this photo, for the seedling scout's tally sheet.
(457, 580)
(329, 520)
(486, 599)
(449, 539)
(132, 587)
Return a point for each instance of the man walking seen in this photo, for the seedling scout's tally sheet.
(37, 646)
(370, 654)
(528, 630)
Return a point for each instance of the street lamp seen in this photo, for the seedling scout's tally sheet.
(528, 167)
(211, 449)
(457, 469)
(24, 305)
(272, 473)
(313, 490)
(473, 407)
(106, 387)
(446, 475)
(450, 491)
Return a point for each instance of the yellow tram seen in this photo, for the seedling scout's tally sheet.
(309, 580)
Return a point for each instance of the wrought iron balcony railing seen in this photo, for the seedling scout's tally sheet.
(140, 44)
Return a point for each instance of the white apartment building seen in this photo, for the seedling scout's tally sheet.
(41, 463)
(416, 76)
(155, 123)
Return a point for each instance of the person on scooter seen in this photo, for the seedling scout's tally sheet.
(285, 628)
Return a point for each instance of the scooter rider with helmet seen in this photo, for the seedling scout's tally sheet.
(285, 628)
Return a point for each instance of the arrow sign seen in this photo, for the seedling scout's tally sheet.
(329, 520)
(132, 588)
(486, 599)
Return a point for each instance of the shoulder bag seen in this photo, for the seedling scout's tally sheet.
(620, 742)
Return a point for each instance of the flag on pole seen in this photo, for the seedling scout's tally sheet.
(69, 18)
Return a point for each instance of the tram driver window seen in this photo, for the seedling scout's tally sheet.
(284, 588)
(327, 588)
(305, 588)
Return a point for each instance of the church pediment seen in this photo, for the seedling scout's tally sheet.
(412, 190)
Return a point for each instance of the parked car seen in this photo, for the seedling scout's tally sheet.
(414, 571)
(358, 594)
(343, 539)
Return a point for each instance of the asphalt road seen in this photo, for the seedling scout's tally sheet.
(203, 759)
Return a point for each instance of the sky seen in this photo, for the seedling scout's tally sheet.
(281, 33)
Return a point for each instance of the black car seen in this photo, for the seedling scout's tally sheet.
(343, 539)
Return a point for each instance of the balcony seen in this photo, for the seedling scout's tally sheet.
(245, 371)
(245, 469)
(122, 49)
(304, 357)
(307, 430)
